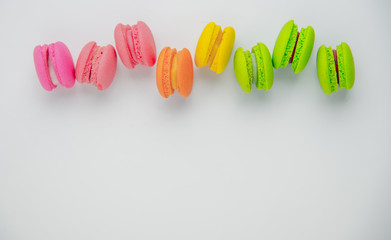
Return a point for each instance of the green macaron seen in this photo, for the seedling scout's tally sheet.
(335, 68)
(293, 47)
(255, 67)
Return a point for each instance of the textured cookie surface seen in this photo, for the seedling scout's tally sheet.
(285, 44)
(243, 69)
(163, 71)
(304, 47)
(185, 73)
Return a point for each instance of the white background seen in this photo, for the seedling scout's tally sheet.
(292, 163)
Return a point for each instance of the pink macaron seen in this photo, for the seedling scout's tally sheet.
(135, 44)
(54, 66)
(96, 65)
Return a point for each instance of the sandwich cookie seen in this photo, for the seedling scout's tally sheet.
(135, 44)
(174, 70)
(54, 66)
(335, 68)
(214, 47)
(254, 68)
(96, 65)
(293, 47)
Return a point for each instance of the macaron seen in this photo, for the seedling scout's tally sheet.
(335, 68)
(174, 71)
(293, 47)
(135, 44)
(254, 68)
(96, 65)
(214, 47)
(54, 66)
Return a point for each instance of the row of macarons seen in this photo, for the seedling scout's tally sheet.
(135, 45)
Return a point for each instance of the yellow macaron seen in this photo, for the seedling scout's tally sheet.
(214, 47)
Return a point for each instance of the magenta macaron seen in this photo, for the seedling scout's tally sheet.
(54, 66)
(96, 65)
(135, 44)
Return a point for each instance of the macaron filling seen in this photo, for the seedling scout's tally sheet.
(88, 65)
(255, 68)
(52, 73)
(335, 69)
(215, 46)
(174, 72)
(336, 64)
(92, 66)
(332, 69)
(95, 67)
(294, 49)
(52, 66)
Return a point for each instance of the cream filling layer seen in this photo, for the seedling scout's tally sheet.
(52, 73)
(215, 47)
(255, 68)
(174, 82)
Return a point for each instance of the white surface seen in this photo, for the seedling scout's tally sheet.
(292, 163)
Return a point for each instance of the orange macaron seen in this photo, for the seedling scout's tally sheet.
(174, 71)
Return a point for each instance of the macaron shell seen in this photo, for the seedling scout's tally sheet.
(163, 72)
(224, 51)
(147, 44)
(184, 72)
(107, 66)
(304, 48)
(205, 44)
(41, 57)
(63, 64)
(84, 62)
(122, 46)
(284, 38)
(268, 71)
(322, 65)
(348, 68)
(241, 68)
